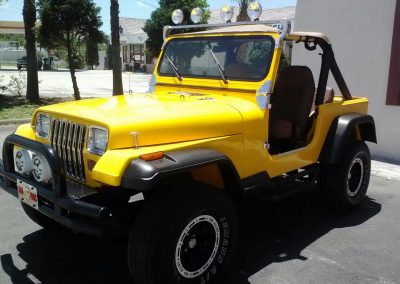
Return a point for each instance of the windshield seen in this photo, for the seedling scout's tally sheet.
(245, 58)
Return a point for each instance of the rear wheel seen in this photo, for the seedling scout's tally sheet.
(184, 236)
(344, 185)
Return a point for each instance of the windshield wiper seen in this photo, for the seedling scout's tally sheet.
(220, 69)
(176, 71)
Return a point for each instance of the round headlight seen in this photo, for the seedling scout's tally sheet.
(98, 139)
(41, 169)
(177, 16)
(196, 15)
(42, 128)
(226, 13)
(254, 10)
(23, 161)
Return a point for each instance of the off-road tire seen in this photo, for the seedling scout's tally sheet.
(344, 185)
(163, 240)
(40, 219)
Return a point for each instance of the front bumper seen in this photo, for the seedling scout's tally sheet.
(54, 200)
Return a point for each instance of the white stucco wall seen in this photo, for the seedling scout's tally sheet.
(361, 33)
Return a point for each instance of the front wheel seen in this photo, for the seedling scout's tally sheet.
(184, 236)
(344, 185)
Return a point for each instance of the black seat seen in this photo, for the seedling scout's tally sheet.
(291, 106)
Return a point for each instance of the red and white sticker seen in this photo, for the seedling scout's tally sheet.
(27, 194)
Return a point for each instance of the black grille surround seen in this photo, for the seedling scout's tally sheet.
(68, 139)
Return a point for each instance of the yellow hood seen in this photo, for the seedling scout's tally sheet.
(158, 119)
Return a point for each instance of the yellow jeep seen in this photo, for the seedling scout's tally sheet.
(221, 118)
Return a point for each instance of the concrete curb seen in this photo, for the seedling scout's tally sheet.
(14, 121)
(385, 170)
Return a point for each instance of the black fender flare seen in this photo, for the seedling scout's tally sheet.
(143, 175)
(339, 134)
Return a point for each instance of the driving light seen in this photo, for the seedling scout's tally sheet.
(226, 13)
(177, 16)
(41, 169)
(196, 15)
(97, 141)
(23, 161)
(254, 11)
(42, 128)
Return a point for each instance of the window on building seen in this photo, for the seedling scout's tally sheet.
(393, 91)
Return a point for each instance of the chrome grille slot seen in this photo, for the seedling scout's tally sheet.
(67, 139)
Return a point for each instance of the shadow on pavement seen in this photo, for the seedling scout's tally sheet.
(270, 233)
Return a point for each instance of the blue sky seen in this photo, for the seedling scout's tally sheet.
(12, 9)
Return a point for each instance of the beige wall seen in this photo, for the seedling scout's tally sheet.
(361, 33)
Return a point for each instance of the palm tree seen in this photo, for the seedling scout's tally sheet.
(115, 49)
(243, 4)
(29, 13)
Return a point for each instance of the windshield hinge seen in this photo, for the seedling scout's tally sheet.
(267, 146)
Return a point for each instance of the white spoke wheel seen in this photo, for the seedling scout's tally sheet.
(183, 236)
(344, 185)
(197, 246)
(355, 177)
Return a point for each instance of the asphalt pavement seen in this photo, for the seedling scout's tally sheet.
(296, 240)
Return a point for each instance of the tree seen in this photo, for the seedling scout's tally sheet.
(115, 48)
(29, 13)
(92, 48)
(242, 16)
(162, 17)
(67, 24)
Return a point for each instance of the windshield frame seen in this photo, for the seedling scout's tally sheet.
(218, 77)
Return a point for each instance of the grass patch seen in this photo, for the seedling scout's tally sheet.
(14, 107)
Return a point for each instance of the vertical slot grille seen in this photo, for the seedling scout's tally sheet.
(67, 139)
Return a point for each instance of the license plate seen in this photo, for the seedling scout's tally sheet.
(27, 194)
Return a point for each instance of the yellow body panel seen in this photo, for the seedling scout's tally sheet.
(192, 113)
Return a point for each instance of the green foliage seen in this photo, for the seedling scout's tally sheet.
(17, 84)
(69, 24)
(260, 52)
(17, 39)
(162, 17)
(92, 47)
(242, 16)
(3, 88)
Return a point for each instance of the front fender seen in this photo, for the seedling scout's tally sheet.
(144, 175)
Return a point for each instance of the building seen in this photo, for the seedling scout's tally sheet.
(132, 39)
(366, 39)
(12, 27)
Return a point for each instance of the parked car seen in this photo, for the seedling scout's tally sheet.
(22, 63)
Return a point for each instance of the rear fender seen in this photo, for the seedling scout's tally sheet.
(342, 127)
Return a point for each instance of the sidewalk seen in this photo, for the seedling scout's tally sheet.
(385, 170)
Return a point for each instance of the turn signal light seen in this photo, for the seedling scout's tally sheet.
(152, 156)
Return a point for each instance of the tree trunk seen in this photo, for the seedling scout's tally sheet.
(71, 63)
(32, 88)
(242, 16)
(115, 49)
